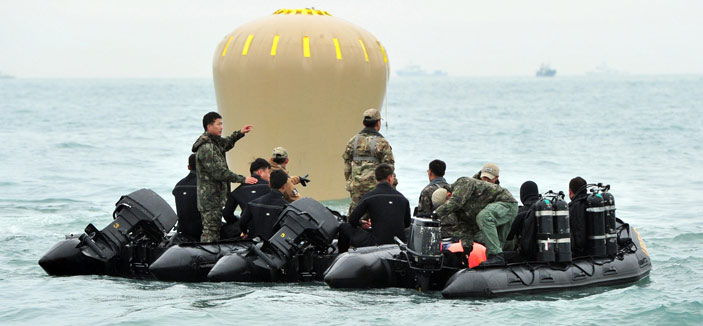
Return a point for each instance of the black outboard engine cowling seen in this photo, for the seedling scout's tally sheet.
(425, 244)
(544, 213)
(302, 224)
(611, 235)
(595, 224)
(141, 219)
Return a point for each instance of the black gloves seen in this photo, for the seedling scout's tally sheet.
(304, 180)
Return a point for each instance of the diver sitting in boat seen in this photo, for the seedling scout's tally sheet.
(259, 218)
(388, 211)
(190, 224)
(260, 169)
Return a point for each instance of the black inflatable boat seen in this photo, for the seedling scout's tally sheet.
(137, 244)
(301, 250)
(417, 265)
(125, 247)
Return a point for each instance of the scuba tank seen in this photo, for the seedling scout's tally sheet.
(562, 233)
(545, 228)
(595, 223)
(611, 236)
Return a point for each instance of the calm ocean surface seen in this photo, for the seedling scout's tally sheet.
(71, 148)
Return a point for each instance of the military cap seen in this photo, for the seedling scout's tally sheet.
(280, 152)
(372, 114)
(490, 170)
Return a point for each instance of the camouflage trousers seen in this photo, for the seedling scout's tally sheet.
(495, 221)
(212, 221)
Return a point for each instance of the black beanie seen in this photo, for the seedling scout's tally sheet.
(528, 192)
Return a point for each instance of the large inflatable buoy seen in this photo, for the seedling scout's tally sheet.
(303, 78)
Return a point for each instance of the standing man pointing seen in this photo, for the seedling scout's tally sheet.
(213, 174)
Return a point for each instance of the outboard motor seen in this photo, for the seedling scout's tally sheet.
(425, 244)
(302, 223)
(562, 233)
(423, 250)
(141, 221)
(595, 224)
(611, 235)
(544, 213)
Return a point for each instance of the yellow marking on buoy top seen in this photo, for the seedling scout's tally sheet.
(366, 55)
(274, 46)
(306, 11)
(385, 58)
(337, 49)
(227, 45)
(246, 45)
(306, 47)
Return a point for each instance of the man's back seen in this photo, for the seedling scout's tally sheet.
(577, 223)
(364, 152)
(424, 204)
(185, 193)
(472, 195)
(243, 195)
(388, 210)
(261, 214)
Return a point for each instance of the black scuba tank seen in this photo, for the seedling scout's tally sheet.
(562, 233)
(611, 236)
(595, 224)
(545, 229)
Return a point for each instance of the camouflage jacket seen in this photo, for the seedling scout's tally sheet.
(424, 205)
(211, 167)
(363, 153)
(291, 194)
(469, 197)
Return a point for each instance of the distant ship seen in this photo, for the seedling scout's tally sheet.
(416, 71)
(3, 76)
(604, 70)
(545, 71)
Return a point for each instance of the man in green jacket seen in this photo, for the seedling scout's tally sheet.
(213, 174)
(489, 206)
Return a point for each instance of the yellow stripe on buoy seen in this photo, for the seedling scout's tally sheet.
(274, 46)
(306, 47)
(227, 45)
(246, 45)
(385, 58)
(366, 55)
(337, 49)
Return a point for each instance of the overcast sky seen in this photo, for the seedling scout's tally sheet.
(125, 38)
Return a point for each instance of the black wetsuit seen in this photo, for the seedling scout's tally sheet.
(189, 220)
(261, 214)
(242, 195)
(389, 212)
(577, 222)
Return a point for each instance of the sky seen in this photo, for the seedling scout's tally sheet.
(177, 39)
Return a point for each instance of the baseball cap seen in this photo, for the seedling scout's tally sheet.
(280, 152)
(490, 170)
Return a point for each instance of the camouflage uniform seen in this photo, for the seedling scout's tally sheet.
(477, 203)
(424, 204)
(364, 152)
(213, 180)
(291, 194)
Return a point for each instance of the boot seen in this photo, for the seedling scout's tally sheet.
(493, 260)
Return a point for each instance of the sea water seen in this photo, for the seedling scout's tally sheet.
(71, 148)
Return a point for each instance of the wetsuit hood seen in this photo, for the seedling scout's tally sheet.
(529, 192)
